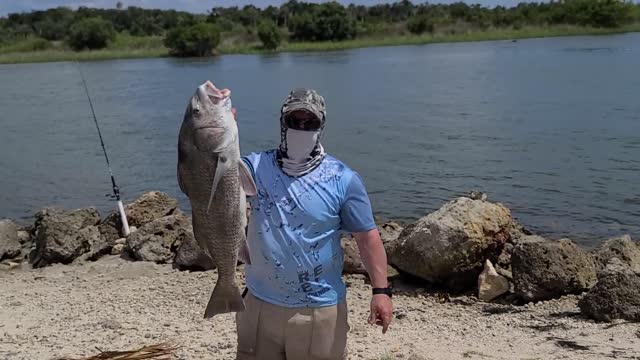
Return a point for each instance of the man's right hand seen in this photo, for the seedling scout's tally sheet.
(381, 311)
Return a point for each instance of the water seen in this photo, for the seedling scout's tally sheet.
(549, 127)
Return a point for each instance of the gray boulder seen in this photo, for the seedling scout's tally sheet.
(450, 246)
(159, 239)
(389, 232)
(190, 255)
(615, 296)
(61, 235)
(352, 261)
(622, 248)
(9, 242)
(24, 235)
(148, 207)
(548, 269)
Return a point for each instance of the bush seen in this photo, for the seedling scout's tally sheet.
(53, 30)
(598, 13)
(27, 45)
(611, 13)
(420, 24)
(269, 34)
(329, 21)
(302, 27)
(91, 33)
(334, 23)
(196, 40)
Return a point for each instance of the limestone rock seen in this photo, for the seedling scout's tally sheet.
(117, 249)
(352, 260)
(491, 284)
(148, 207)
(622, 248)
(157, 240)
(9, 241)
(615, 296)
(450, 245)
(61, 235)
(545, 269)
(389, 232)
(190, 255)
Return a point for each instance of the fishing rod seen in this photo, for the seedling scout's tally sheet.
(116, 190)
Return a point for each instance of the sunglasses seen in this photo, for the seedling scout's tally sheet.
(304, 121)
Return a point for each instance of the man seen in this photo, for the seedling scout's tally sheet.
(296, 299)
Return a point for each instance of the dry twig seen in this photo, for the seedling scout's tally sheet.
(161, 351)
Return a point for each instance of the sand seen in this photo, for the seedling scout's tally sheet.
(113, 304)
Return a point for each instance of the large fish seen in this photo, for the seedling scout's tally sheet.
(212, 176)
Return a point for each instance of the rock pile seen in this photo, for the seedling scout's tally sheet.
(468, 245)
(160, 232)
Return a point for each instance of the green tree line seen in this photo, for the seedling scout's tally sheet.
(198, 34)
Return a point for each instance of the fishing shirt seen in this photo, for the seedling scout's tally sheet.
(295, 227)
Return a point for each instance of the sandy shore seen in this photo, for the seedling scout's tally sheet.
(113, 304)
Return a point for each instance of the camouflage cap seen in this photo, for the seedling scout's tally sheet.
(305, 99)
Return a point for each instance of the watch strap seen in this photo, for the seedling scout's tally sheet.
(379, 291)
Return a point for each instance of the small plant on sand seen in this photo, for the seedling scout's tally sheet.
(387, 356)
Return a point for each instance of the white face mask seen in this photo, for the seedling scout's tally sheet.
(300, 144)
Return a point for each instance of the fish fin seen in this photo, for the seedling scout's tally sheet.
(182, 156)
(183, 188)
(224, 299)
(246, 180)
(222, 166)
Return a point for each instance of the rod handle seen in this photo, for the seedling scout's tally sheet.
(123, 218)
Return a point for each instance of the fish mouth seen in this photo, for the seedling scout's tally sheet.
(208, 127)
(209, 92)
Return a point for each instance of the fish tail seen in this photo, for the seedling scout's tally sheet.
(224, 299)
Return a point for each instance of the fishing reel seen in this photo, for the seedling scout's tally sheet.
(115, 195)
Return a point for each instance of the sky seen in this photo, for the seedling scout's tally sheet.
(198, 6)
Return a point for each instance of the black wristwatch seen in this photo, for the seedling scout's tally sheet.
(387, 291)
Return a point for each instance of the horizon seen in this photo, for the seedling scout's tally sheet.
(197, 6)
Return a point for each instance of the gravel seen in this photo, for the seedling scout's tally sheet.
(113, 304)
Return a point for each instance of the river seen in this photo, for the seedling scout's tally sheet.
(549, 127)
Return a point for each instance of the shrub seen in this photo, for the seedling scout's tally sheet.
(269, 34)
(328, 21)
(196, 40)
(420, 24)
(91, 33)
(27, 45)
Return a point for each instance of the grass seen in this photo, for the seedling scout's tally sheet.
(123, 47)
(387, 356)
(67, 55)
(126, 46)
(467, 36)
(29, 44)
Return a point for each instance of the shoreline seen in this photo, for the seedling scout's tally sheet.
(125, 305)
(68, 260)
(61, 55)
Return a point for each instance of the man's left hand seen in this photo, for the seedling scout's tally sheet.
(381, 311)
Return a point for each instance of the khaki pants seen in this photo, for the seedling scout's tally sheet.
(271, 332)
